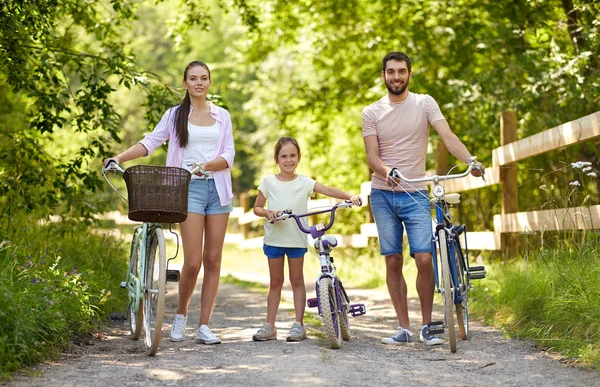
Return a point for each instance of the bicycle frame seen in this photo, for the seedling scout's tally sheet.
(451, 270)
(335, 316)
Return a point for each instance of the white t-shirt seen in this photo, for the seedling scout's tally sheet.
(201, 146)
(280, 196)
(402, 130)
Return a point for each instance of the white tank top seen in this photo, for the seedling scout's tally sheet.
(201, 146)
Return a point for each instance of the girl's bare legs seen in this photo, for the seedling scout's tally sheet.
(275, 286)
(215, 228)
(192, 232)
(299, 289)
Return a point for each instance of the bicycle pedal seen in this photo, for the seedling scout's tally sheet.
(173, 275)
(117, 318)
(312, 302)
(357, 310)
(477, 272)
(436, 327)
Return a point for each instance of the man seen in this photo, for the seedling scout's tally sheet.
(396, 134)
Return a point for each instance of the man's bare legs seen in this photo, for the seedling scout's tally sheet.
(398, 291)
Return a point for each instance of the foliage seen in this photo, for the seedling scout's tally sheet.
(57, 282)
(551, 297)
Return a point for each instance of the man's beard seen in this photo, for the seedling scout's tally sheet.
(396, 90)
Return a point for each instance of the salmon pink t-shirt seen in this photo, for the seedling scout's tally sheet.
(402, 130)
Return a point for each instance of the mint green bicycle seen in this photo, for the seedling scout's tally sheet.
(157, 195)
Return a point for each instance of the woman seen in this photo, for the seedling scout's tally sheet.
(197, 130)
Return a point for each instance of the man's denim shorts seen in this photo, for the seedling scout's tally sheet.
(203, 198)
(393, 211)
(291, 252)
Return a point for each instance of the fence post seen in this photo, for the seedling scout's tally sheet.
(245, 204)
(508, 180)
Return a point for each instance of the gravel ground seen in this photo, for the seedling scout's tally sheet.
(112, 358)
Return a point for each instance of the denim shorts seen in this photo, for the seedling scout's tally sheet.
(394, 211)
(203, 198)
(291, 252)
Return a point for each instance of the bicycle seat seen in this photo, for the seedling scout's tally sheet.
(452, 199)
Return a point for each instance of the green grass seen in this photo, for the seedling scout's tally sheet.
(57, 282)
(552, 297)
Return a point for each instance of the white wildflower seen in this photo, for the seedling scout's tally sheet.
(580, 164)
(592, 174)
(587, 169)
(575, 183)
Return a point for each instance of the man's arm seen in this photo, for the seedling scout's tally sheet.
(375, 162)
(454, 145)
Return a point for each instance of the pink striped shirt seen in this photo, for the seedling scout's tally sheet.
(165, 130)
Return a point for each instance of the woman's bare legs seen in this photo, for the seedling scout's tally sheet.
(214, 238)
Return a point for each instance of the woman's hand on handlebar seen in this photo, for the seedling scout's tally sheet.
(108, 160)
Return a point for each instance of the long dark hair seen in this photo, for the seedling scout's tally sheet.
(181, 117)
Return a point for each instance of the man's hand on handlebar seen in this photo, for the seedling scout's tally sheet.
(478, 170)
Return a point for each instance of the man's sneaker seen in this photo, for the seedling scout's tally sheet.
(205, 336)
(403, 336)
(178, 328)
(297, 333)
(266, 332)
(430, 339)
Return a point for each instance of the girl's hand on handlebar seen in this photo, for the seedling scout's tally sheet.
(272, 215)
(356, 200)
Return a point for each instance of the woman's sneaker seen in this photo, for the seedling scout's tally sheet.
(205, 336)
(297, 333)
(178, 328)
(428, 338)
(403, 336)
(266, 332)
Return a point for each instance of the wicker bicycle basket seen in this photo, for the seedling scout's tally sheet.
(157, 194)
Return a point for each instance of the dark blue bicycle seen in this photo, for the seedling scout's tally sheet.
(453, 274)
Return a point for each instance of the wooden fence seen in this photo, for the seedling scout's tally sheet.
(510, 220)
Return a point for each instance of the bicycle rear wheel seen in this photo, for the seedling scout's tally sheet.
(328, 307)
(447, 294)
(155, 283)
(343, 315)
(462, 313)
(135, 310)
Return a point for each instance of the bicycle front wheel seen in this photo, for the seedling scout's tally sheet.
(155, 288)
(343, 314)
(447, 294)
(328, 307)
(135, 311)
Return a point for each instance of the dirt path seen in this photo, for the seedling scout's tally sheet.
(488, 359)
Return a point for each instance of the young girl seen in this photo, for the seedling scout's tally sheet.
(287, 190)
(197, 130)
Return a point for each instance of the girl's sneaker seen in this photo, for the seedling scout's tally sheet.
(297, 333)
(266, 332)
(205, 336)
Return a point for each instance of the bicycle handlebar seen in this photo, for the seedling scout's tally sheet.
(396, 174)
(288, 214)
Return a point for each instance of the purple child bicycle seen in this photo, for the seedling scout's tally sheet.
(332, 299)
